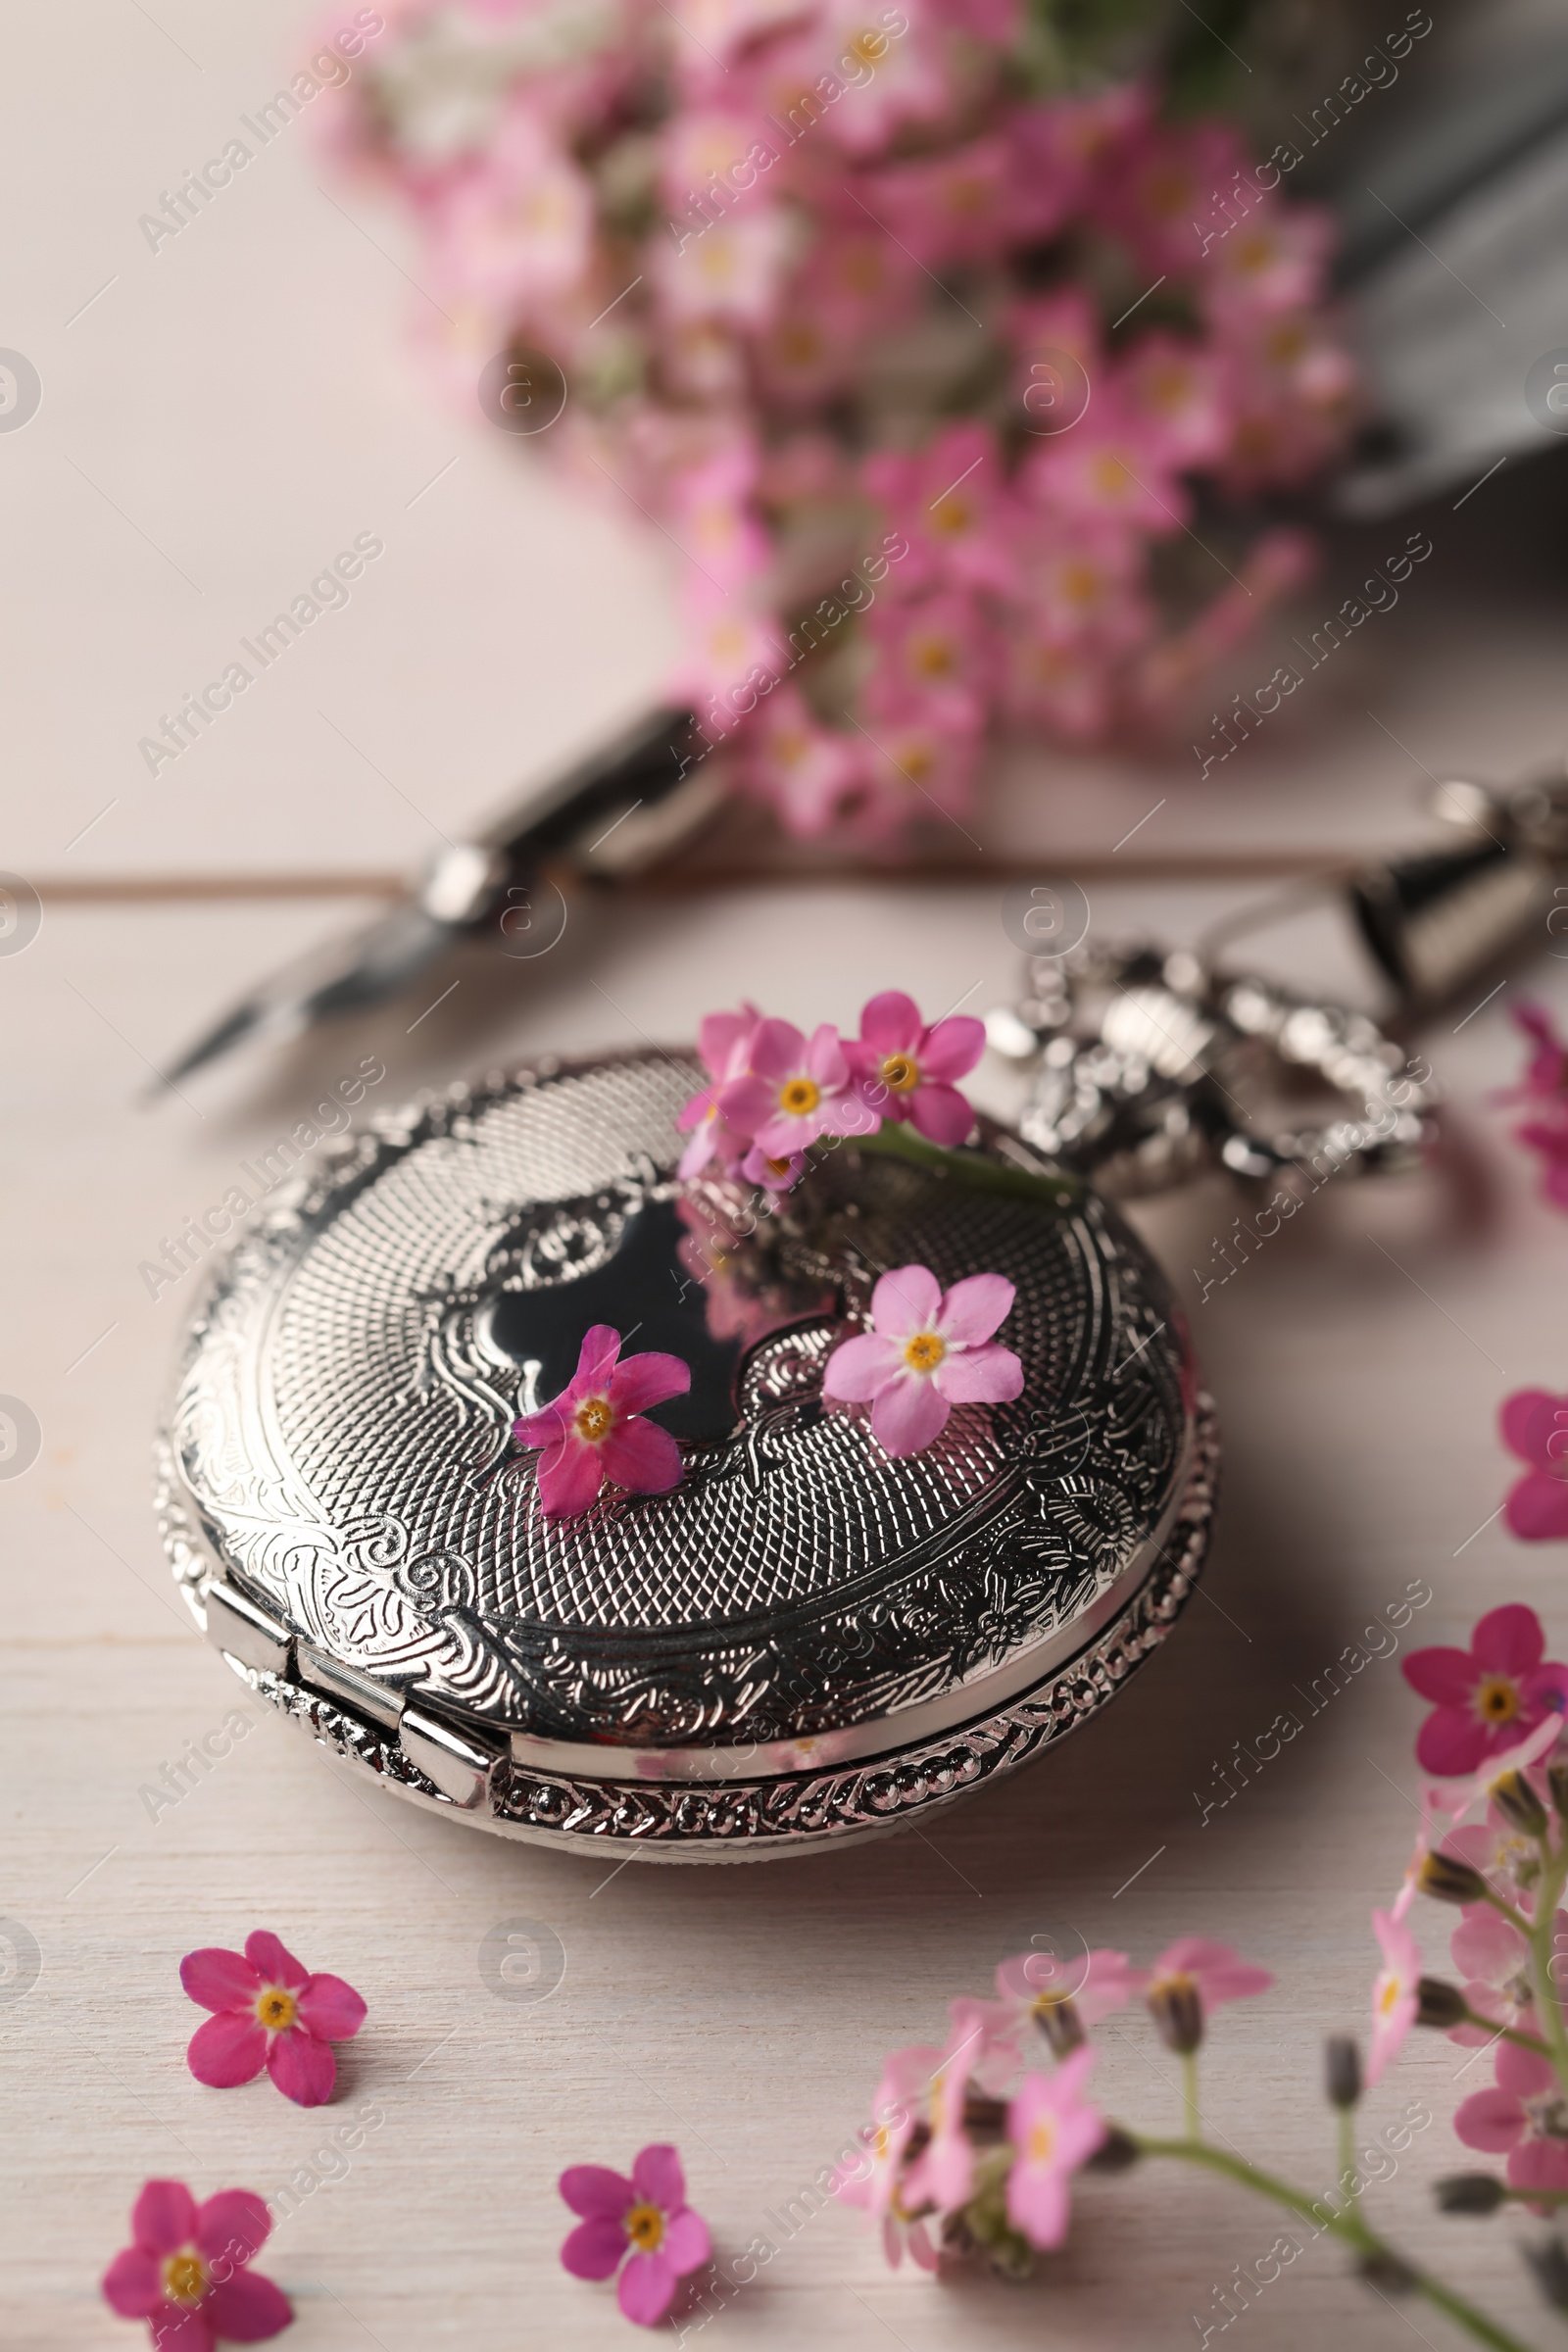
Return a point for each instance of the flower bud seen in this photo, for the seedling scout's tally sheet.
(1385, 2270)
(1551, 2265)
(1178, 2011)
(1558, 1779)
(1116, 2152)
(1341, 2070)
(985, 2117)
(1450, 1879)
(1060, 2024)
(1440, 2004)
(1518, 1803)
(1470, 2193)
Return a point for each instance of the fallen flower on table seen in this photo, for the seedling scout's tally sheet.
(594, 1430)
(1486, 1695)
(925, 1350)
(185, 2272)
(267, 2011)
(644, 2223)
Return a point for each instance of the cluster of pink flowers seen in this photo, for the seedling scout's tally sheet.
(914, 360)
(1544, 1087)
(971, 2147)
(775, 1092)
(185, 2271)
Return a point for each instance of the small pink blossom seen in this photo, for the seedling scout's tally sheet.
(1098, 1984)
(872, 2180)
(925, 1350)
(798, 1089)
(1053, 2129)
(725, 1042)
(943, 2174)
(773, 1175)
(1433, 1809)
(267, 2011)
(803, 770)
(1396, 1993)
(1486, 1695)
(1501, 1766)
(594, 1430)
(1535, 1428)
(916, 770)
(932, 657)
(1524, 2117)
(950, 504)
(1105, 472)
(1494, 1960)
(1194, 1966)
(905, 1068)
(644, 2222)
(947, 208)
(185, 2272)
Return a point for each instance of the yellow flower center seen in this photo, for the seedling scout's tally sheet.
(1169, 193)
(951, 516)
(1042, 2139)
(914, 760)
(799, 345)
(645, 2226)
(798, 1095)
(593, 1419)
(863, 269)
(1254, 252)
(1080, 583)
(274, 2009)
(900, 1072)
(1285, 342)
(933, 656)
(777, 1167)
(1497, 1698)
(1389, 1991)
(924, 1351)
(184, 2278)
(1112, 477)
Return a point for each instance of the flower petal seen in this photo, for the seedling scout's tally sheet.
(570, 1478)
(183, 2330)
(687, 2243)
(133, 2283)
(906, 1415)
(647, 2289)
(940, 1115)
(984, 1375)
(778, 1052)
(1528, 1423)
(974, 1308)
(748, 1103)
(302, 2068)
(890, 1023)
(219, 1979)
(1523, 2074)
(593, 2189)
(548, 1427)
(162, 2217)
(642, 1457)
(600, 1344)
(860, 1367)
(658, 2178)
(951, 1049)
(330, 2009)
(906, 1301)
(227, 2051)
(236, 2222)
(1490, 2119)
(277, 1966)
(1538, 2164)
(1450, 1741)
(1509, 1641)
(1537, 1508)
(594, 2249)
(645, 1380)
(1485, 1946)
(247, 2309)
(1445, 1676)
(824, 1058)
(1544, 1690)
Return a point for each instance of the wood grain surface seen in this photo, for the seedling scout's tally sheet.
(1358, 1360)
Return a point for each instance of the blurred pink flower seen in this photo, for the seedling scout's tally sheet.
(1396, 1993)
(1177, 388)
(943, 2174)
(1106, 471)
(925, 1350)
(1052, 2129)
(798, 1089)
(1195, 1965)
(951, 503)
(518, 226)
(906, 1069)
(267, 2011)
(913, 768)
(1275, 260)
(1494, 1959)
(1089, 584)
(872, 2181)
(725, 1042)
(1162, 196)
(1535, 1427)
(1485, 1696)
(1523, 2116)
(185, 2272)
(1433, 1809)
(950, 207)
(644, 2222)
(1034, 1984)
(800, 767)
(932, 661)
(1501, 1766)
(593, 1431)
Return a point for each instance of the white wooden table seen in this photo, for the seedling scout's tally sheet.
(219, 419)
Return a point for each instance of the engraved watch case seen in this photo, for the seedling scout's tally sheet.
(807, 1640)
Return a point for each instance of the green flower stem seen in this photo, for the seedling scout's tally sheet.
(1538, 1934)
(1195, 2121)
(1506, 1910)
(1350, 2170)
(1348, 2227)
(978, 1170)
(1488, 2025)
